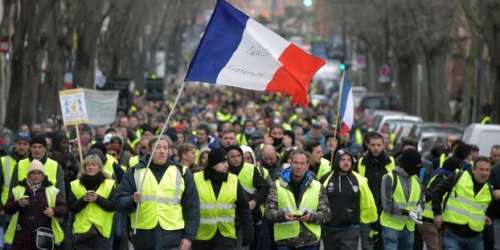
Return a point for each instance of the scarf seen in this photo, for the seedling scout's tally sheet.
(33, 186)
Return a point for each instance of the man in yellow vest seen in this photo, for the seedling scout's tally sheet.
(401, 202)
(298, 206)
(319, 165)
(351, 203)
(38, 151)
(374, 164)
(34, 203)
(255, 186)
(9, 162)
(432, 236)
(459, 204)
(222, 203)
(165, 198)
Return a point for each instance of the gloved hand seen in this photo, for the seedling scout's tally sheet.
(373, 236)
(419, 212)
(415, 217)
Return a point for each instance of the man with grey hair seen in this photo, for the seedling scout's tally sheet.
(162, 201)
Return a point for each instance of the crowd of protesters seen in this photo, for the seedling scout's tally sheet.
(239, 170)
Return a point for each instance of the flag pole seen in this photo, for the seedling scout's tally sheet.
(338, 115)
(79, 144)
(139, 185)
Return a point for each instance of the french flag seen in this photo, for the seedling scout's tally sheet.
(237, 51)
(346, 106)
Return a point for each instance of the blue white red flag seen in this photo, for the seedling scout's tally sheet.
(237, 51)
(346, 106)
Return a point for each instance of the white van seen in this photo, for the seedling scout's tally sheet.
(484, 136)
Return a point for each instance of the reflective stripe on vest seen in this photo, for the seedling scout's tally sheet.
(49, 168)
(398, 222)
(362, 168)
(463, 207)
(51, 194)
(92, 214)
(286, 202)
(8, 165)
(216, 213)
(246, 178)
(160, 201)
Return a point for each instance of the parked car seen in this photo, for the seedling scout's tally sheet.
(376, 101)
(374, 118)
(484, 136)
(358, 92)
(394, 120)
(420, 128)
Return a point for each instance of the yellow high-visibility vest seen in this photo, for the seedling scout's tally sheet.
(368, 208)
(216, 213)
(389, 167)
(92, 214)
(8, 165)
(161, 202)
(51, 194)
(246, 178)
(399, 222)
(286, 202)
(324, 168)
(463, 207)
(49, 168)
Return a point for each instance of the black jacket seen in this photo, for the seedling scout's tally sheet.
(438, 194)
(189, 201)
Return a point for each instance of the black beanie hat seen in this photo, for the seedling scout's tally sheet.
(216, 156)
(234, 147)
(452, 164)
(410, 158)
(38, 139)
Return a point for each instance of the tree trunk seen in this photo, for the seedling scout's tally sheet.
(88, 32)
(439, 105)
(24, 83)
(405, 83)
(495, 65)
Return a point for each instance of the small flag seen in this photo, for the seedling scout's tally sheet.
(238, 51)
(346, 106)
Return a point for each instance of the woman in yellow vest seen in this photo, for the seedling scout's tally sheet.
(35, 203)
(298, 206)
(90, 201)
(401, 202)
(222, 202)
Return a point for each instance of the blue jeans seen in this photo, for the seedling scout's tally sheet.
(300, 248)
(397, 240)
(454, 242)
